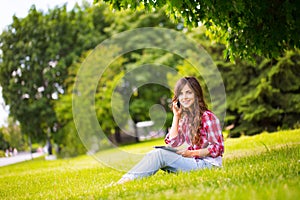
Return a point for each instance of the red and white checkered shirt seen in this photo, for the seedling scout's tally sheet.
(210, 133)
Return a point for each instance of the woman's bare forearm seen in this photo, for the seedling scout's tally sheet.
(174, 128)
(194, 153)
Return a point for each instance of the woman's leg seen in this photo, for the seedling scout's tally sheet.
(187, 164)
(162, 159)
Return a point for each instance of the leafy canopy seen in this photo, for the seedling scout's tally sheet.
(247, 28)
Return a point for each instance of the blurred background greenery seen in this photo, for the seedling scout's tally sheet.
(42, 53)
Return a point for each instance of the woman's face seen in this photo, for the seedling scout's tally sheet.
(186, 97)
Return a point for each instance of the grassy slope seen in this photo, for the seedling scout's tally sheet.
(266, 166)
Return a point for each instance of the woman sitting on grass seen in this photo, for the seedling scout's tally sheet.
(193, 124)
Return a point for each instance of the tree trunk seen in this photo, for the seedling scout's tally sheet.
(118, 135)
(136, 133)
(49, 144)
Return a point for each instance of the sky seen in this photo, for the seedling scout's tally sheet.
(20, 8)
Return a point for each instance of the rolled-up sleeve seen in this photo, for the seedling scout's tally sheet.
(174, 142)
(212, 127)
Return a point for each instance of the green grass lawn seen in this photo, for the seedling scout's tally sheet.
(265, 166)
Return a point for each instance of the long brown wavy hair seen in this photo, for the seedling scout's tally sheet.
(199, 106)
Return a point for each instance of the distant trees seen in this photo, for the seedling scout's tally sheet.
(263, 97)
(36, 53)
(11, 136)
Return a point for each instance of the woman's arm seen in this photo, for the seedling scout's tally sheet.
(175, 122)
(200, 153)
(174, 128)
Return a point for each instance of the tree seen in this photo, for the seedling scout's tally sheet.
(263, 97)
(247, 28)
(121, 66)
(143, 97)
(275, 102)
(4, 144)
(12, 136)
(36, 53)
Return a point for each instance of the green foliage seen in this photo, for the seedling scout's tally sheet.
(263, 97)
(110, 80)
(146, 96)
(2, 153)
(36, 54)
(3, 142)
(11, 136)
(70, 144)
(67, 137)
(251, 171)
(246, 28)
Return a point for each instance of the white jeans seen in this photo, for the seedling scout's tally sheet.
(165, 160)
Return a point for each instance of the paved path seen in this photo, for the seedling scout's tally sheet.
(23, 156)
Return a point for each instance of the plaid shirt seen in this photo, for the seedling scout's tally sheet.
(210, 133)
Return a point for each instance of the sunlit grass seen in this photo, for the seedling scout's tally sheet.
(265, 166)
